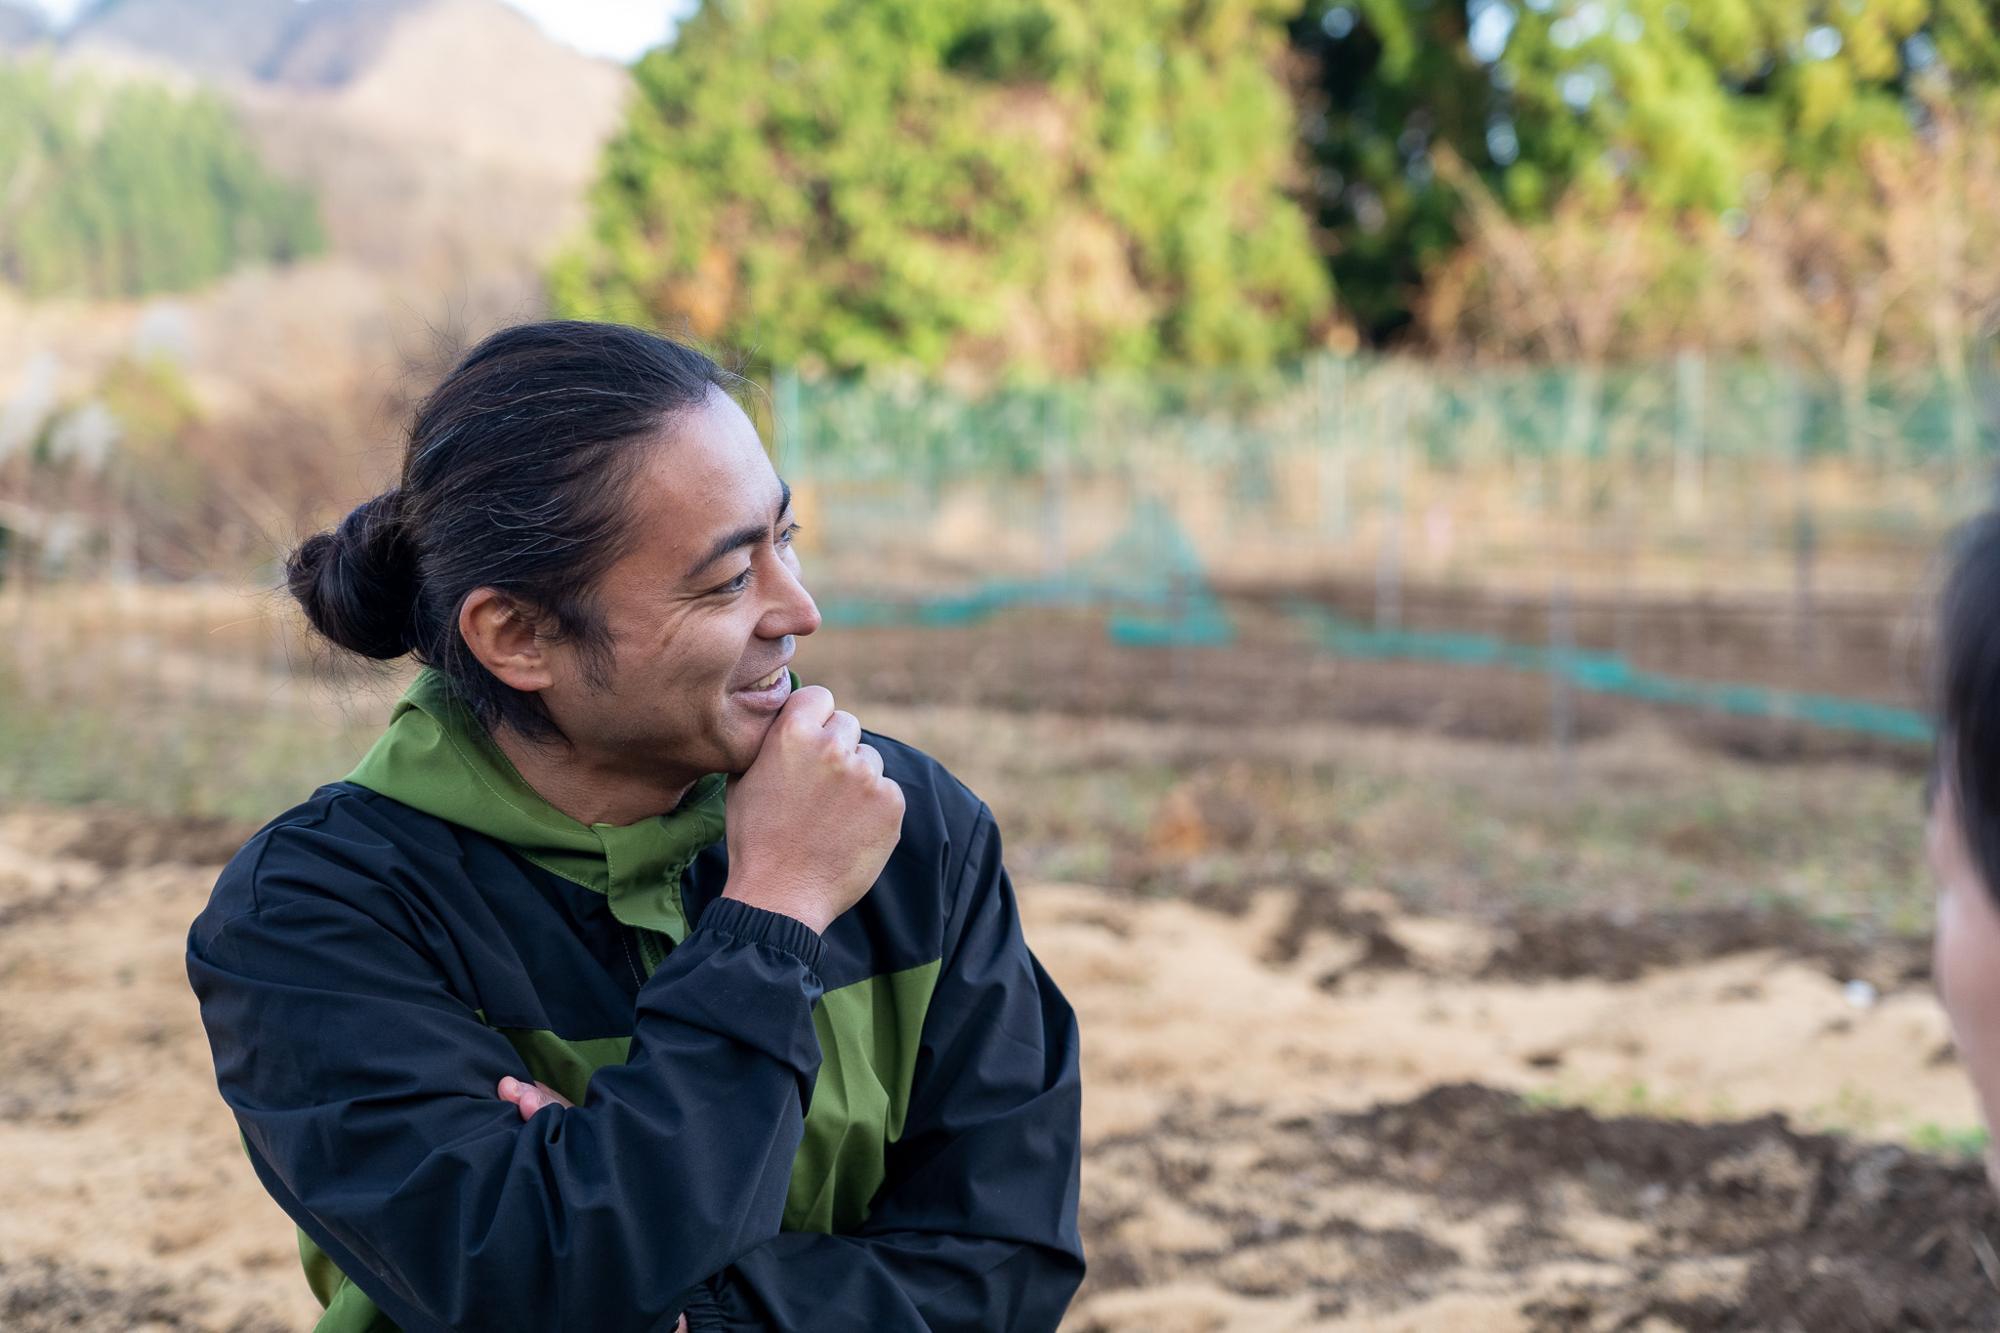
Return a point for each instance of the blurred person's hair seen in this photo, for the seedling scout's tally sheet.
(515, 478)
(1968, 690)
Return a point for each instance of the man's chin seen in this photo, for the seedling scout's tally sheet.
(746, 742)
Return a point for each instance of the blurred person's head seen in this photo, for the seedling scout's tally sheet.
(1964, 829)
(590, 543)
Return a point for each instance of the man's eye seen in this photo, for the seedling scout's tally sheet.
(785, 537)
(739, 583)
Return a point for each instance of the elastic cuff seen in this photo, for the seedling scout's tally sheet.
(755, 925)
(703, 1311)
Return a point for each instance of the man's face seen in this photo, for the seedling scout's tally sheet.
(1966, 956)
(702, 607)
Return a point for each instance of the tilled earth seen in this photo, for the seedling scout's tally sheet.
(1271, 673)
(1308, 1107)
(1466, 1207)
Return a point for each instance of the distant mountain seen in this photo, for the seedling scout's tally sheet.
(225, 40)
(425, 126)
(386, 51)
(473, 76)
(334, 42)
(20, 26)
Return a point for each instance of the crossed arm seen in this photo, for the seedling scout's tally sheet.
(365, 1092)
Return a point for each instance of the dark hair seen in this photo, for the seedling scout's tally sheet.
(1968, 690)
(515, 478)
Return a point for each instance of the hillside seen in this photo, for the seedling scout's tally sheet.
(467, 76)
(459, 75)
(331, 44)
(126, 190)
(447, 144)
(20, 26)
(445, 139)
(219, 40)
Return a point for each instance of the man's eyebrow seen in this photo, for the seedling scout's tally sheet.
(744, 536)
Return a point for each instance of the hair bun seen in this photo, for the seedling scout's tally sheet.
(358, 583)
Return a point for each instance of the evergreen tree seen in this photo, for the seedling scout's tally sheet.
(1044, 185)
(133, 189)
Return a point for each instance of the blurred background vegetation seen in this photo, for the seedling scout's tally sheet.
(1045, 187)
(123, 191)
(1051, 187)
(1489, 334)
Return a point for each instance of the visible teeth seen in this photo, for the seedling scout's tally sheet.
(768, 681)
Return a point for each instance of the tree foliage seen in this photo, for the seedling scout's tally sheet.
(1058, 185)
(1678, 109)
(1041, 185)
(124, 190)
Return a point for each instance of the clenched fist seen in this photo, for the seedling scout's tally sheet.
(812, 820)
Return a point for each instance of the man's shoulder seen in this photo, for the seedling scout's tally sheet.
(930, 790)
(907, 918)
(341, 836)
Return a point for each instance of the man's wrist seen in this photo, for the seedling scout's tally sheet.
(803, 908)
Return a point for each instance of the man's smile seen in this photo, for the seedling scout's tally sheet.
(768, 692)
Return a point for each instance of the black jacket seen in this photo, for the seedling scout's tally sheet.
(874, 1131)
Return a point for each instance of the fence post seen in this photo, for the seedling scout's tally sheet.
(1389, 567)
(1690, 422)
(1055, 487)
(1581, 426)
(1562, 708)
(1804, 539)
(785, 432)
(1330, 402)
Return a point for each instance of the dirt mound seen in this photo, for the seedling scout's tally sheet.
(1537, 944)
(1621, 947)
(1838, 1235)
(115, 839)
(1471, 1200)
(43, 1296)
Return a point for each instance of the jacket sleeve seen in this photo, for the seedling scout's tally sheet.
(976, 1225)
(365, 1092)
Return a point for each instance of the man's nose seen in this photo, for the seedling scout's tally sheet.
(792, 610)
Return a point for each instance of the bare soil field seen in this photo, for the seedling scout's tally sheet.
(1828, 641)
(1396, 1015)
(1272, 672)
(1309, 1107)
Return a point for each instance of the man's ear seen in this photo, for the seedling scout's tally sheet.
(502, 635)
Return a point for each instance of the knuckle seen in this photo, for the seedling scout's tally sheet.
(808, 707)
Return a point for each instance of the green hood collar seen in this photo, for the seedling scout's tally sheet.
(436, 757)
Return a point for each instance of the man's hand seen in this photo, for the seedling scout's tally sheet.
(532, 1097)
(812, 820)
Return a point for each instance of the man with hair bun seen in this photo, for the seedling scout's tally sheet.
(626, 984)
